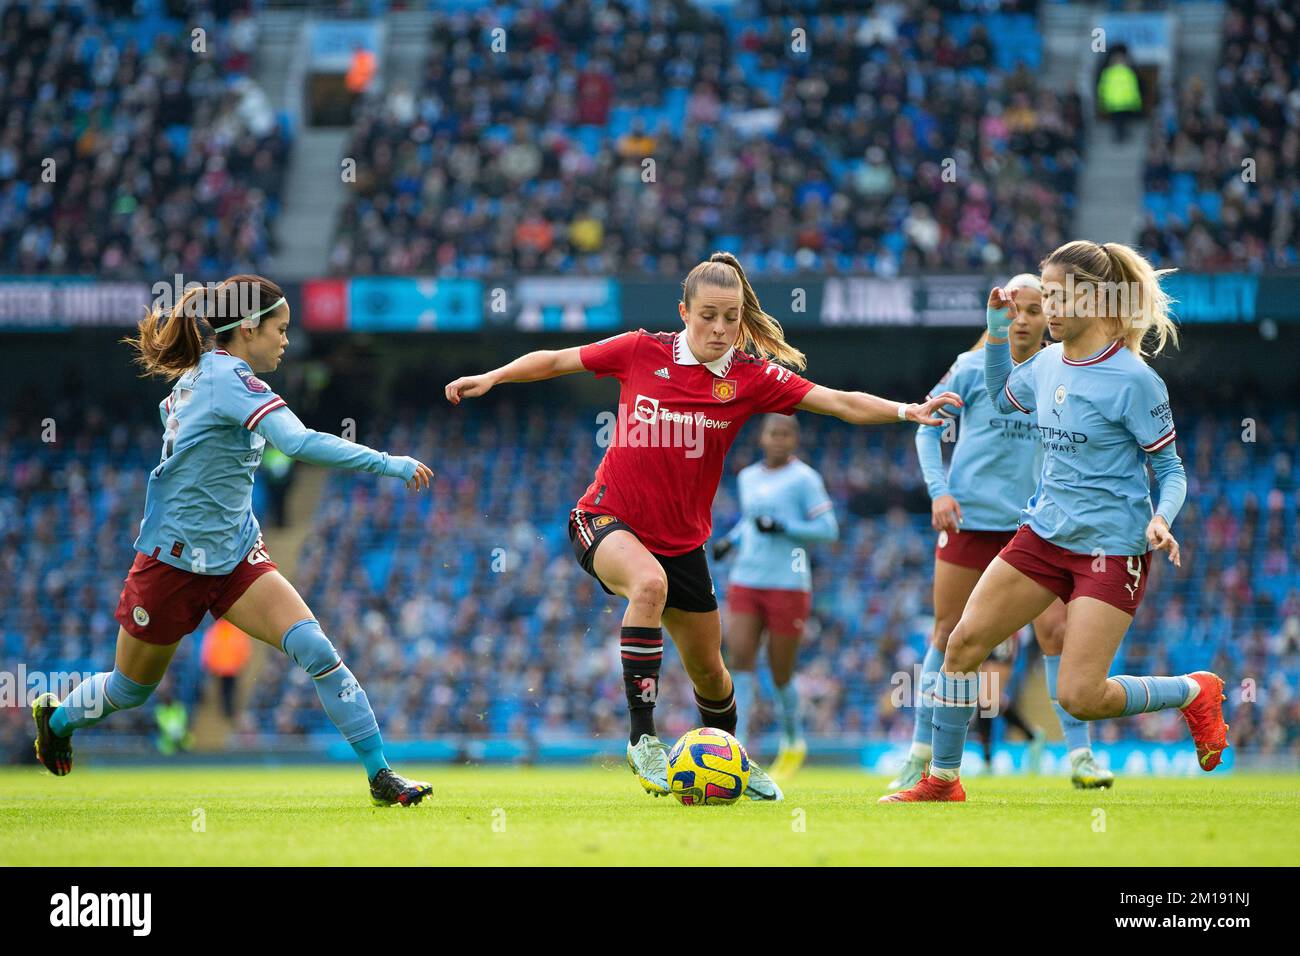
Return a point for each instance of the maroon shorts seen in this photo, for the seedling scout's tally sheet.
(1118, 580)
(971, 549)
(783, 611)
(160, 604)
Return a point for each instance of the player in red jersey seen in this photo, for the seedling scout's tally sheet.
(641, 526)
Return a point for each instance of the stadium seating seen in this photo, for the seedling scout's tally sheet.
(164, 160)
(1223, 168)
(949, 159)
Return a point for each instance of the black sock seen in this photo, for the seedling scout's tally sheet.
(984, 731)
(1013, 719)
(642, 649)
(718, 713)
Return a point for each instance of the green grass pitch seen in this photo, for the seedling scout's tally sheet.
(269, 816)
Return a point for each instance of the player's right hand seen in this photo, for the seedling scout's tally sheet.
(1160, 538)
(721, 548)
(1000, 313)
(945, 514)
(423, 477)
(467, 386)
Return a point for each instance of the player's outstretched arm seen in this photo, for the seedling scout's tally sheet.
(533, 367)
(285, 431)
(859, 408)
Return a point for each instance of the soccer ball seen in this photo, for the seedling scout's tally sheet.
(708, 767)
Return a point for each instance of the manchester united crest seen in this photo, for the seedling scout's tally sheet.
(724, 389)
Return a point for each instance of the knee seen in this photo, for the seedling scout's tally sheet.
(743, 663)
(650, 590)
(1080, 701)
(706, 673)
(309, 648)
(742, 658)
(964, 652)
(1051, 638)
(943, 628)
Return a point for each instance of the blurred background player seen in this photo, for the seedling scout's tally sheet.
(200, 546)
(997, 675)
(641, 526)
(1089, 530)
(976, 508)
(784, 507)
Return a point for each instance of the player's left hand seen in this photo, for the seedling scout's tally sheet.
(925, 412)
(423, 477)
(766, 524)
(1161, 539)
(467, 386)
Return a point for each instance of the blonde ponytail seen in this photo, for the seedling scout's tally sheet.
(760, 334)
(1128, 292)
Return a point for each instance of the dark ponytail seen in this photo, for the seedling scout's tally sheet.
(170, 342)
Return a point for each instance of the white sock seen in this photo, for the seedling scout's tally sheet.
(921, 751)
(943, 774)
(1194, 690)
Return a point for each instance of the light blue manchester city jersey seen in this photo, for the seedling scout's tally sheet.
(994, 468)
(795, 496)
(198, 510)
(1098, 419)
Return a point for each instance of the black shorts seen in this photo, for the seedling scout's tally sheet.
(690, 586)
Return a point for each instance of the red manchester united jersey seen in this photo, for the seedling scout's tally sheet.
(676, 419)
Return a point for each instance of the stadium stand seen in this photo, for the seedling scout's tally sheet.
(1223, 170)
(163, 163)
(756, 146)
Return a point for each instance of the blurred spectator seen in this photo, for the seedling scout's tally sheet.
(225, 653)
(1119, 92)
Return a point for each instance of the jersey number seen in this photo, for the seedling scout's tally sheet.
(1135, 571)
(180, 398)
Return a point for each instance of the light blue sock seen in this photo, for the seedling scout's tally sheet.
(742, 683)
(95, 698)
(343, 698)
(923, 728)
(787, 698)
(371, 752)
(1145, 695)
(954, 706)
(1078, 735)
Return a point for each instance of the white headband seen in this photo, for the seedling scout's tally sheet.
(255, 316)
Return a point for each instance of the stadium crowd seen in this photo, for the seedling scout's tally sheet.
(1223, 165)
(623, 136)
(463, 613)
(125, 152)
